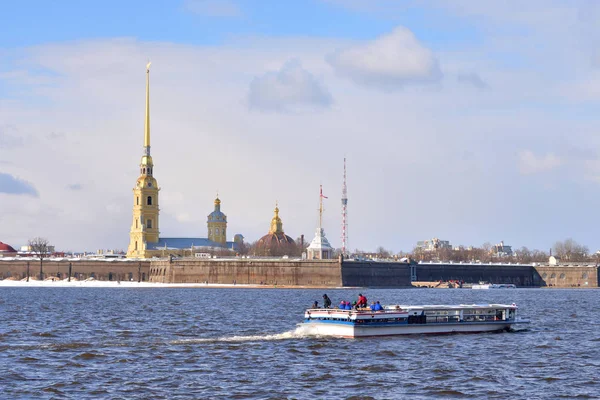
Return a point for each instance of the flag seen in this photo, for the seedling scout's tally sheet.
(325, 197)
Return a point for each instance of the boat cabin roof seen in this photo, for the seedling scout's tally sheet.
(450, 307)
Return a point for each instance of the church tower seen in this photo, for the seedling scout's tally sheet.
(144, 227)
(217, 224)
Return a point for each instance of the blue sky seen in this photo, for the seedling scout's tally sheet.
(469, 121)
(195, 22)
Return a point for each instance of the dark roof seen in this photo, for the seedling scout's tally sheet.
(186, 243)
(275, 239)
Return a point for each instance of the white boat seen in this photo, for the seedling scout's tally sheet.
(403, 320)
(494, 286)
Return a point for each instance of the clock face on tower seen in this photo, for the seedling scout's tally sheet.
(149, 184)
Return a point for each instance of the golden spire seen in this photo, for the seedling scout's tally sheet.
(276, 224)
(147, 121)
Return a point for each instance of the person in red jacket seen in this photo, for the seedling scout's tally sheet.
(362, 301)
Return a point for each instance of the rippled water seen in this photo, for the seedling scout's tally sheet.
(243, 343)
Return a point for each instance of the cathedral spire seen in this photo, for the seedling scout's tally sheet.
(147, 120)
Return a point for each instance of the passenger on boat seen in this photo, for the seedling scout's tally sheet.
(355, 305)
(348, 306)
(378, 307)
(342, 305)
(372, 306)
(326, 301)
(315, 304)
(362, 301)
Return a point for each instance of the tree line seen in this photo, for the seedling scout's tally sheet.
(567, 250)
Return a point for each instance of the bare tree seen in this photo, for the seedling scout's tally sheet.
(39, 246)
(570, 250)
(523, 255)
(382, 252)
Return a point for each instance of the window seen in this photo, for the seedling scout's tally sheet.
(137, 201)
(585, 275)
(136, 223)
(217, 231)
(136, 245)
(544, 275)
(552, 276)
(149, 224)
(562, 276)
(149, 200)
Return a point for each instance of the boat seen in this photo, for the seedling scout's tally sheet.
(494, 286)
(403, 319)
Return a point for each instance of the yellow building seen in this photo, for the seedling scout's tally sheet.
(144, 227)
(144, 239)
(217, 224)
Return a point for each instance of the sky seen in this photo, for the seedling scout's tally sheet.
(468, 121)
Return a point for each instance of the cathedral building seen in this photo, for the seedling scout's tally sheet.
(276, 243)
(144, 238)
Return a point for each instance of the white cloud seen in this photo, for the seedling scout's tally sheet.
(529, 163)
(291, 88)
(392, 60)
(212, 8)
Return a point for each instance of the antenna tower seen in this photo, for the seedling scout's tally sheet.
(344, 214)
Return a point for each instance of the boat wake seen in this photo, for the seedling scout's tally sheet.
(301, 332)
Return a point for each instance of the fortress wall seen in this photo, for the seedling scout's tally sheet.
(520, 275)
(82, 269)
(248, 271)
(567, 276)
(373, 274)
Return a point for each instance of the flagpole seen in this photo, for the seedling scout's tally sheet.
(320, 207)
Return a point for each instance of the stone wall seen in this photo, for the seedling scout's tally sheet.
(248, 271)
(567, 275)
(105, 270)
(375, 274)
(328, 273)
(520, 275)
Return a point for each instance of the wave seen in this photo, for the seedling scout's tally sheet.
(300, 332)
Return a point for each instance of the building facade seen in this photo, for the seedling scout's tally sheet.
(144, 235)
(144, 227)
(217, 224)
(433, 245)
(319, 248)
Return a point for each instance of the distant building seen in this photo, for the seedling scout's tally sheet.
(319, 248)
(433, 245)
(28, 250)
(501, 250)
(275, 243)
(553, 260)
(7, 250)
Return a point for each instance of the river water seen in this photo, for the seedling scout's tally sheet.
(243, 344)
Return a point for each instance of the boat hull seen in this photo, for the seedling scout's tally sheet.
(352, 331)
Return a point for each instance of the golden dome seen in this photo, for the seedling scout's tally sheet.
(276, 224)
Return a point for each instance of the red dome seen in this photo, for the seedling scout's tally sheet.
(4, 248)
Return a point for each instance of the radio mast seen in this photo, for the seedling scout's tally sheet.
(344, 215)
